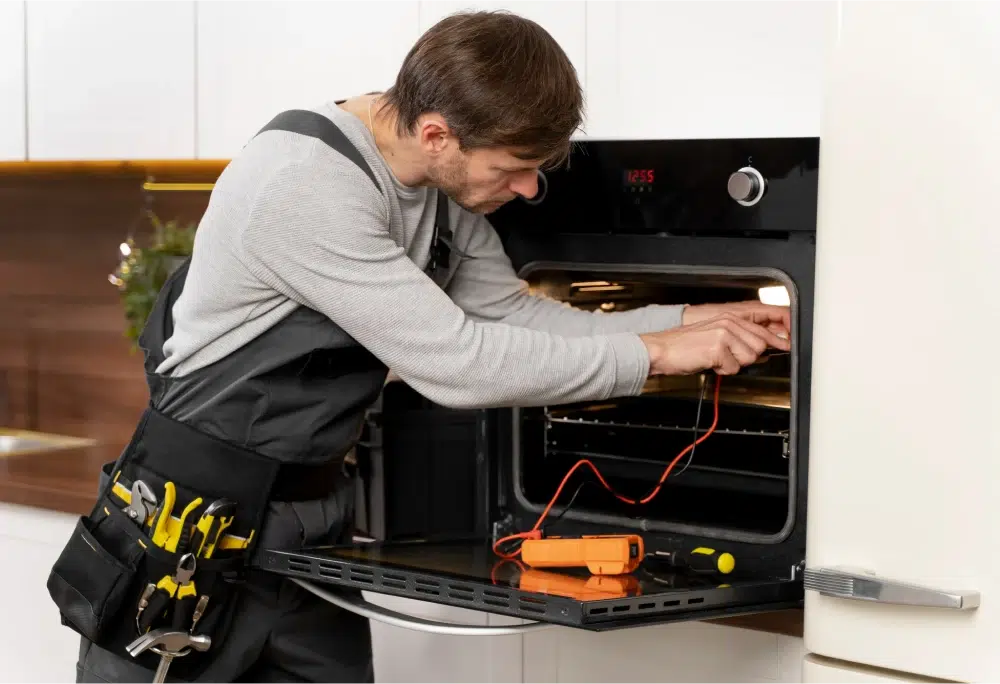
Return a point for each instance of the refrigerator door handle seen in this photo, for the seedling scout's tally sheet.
(861, 585)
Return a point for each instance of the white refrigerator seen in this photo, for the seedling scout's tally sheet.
(905, 453)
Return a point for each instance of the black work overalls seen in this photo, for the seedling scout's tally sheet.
(267, 427)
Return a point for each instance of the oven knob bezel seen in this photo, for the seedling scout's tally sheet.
(757, 186)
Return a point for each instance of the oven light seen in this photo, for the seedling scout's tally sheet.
(777, 296)
(602, 288)
(591, 283)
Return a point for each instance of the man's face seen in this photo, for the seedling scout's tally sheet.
(483, 180)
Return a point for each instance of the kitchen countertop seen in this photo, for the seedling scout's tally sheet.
(65, 479)
(61, 479)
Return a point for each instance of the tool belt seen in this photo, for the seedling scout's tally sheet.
(170, 540)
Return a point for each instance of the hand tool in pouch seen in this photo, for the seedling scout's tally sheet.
(155, 601)
(160, 527)
(141, 501)
(168, 644)
(210, 526)
(158, 516)
(204, 537)
(156, 598)
(187, 593)
(178, 541)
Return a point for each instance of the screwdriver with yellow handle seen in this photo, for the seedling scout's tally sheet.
(701, 559)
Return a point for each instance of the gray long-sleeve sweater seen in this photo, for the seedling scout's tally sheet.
(291, 222)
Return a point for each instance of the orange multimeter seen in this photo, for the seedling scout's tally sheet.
(600, 554)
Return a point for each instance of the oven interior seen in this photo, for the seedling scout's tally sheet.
(735, 484)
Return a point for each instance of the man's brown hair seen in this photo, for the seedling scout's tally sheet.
(498, 80)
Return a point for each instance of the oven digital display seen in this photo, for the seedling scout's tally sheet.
(639, 178)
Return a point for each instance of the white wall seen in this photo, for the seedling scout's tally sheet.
(12, 131)
(257, 59)
(196, 78)
(695, 69)
(110, 80)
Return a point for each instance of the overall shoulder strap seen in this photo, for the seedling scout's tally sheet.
(305, 122)
(315, 125)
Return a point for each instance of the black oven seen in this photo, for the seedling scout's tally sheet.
(624, 224)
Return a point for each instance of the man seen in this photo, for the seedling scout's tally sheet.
(311, 277)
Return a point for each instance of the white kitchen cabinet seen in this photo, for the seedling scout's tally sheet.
(903, 467)
(566, 21)
(256, 59)
(34, 645)
(822, 671)
(682, 652)
(110, 80)
(694, 69)
(12, 139)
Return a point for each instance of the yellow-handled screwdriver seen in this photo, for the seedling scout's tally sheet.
(701, 559)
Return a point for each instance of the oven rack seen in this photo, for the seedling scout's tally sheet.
(638, 460)
(549, 419)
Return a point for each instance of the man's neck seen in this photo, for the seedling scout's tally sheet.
(399, 153)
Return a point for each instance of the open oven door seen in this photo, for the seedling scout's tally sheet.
(433, 527)
(468, 574)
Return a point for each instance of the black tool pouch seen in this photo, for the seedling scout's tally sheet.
(109, 561)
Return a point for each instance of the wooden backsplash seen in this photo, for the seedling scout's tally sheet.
(65, 365)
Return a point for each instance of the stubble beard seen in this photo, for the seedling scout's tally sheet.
(453, 180)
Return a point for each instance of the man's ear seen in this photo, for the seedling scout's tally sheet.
(433, 133)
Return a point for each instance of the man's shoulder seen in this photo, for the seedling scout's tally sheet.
(275, 154)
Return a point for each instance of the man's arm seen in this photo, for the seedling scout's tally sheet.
(321, 238)
(488, 289)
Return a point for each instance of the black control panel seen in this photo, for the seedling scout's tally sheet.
(749, 187)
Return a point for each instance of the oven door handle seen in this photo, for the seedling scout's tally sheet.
(861, 585)
(391, 617)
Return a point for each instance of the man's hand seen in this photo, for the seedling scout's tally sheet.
(777, 319)
(724, 344)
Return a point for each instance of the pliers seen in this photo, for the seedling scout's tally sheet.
(176, 539)
(156, 598)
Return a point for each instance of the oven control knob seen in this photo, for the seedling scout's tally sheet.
(746, 186)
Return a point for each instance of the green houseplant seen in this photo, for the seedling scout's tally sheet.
(143, 270)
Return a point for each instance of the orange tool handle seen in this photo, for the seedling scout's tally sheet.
(600, 554)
